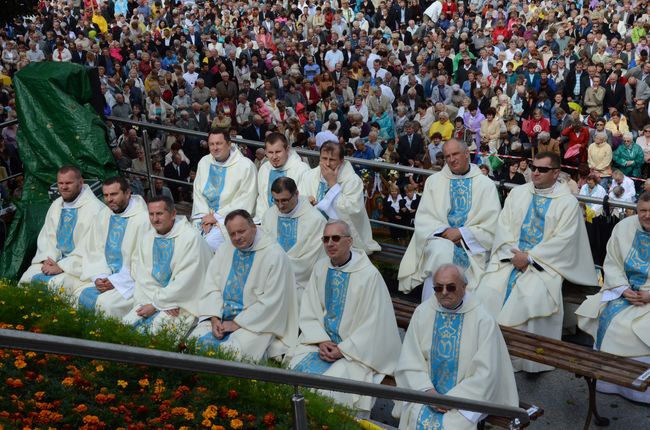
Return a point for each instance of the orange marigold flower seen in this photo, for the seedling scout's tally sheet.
(233, 394)
(143, 382)
(232, 413)
(122, 383)
(20, 364)
(210, 412)
(189, 416)
(179, 411)
(269, 419)
(91, 419)
(31, 354)
(206, 423)
(14, 383)
(80, 408)
(39, 395)
(99, 368)
(20, 327)
(218, 428)
(236, 423)
(68, 381)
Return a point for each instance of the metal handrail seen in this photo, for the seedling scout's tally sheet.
(172, 360)
(363, 162)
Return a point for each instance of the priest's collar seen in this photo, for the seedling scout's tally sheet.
(546, 191)
(223, 163)
(171, 231)
(73, 203)
(293, 212)
(456, 308)
(462, 175)
(128, 207)
(341, 266)
(258, 235)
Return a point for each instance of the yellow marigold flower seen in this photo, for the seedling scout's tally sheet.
(122, 383)
(20, 364)
(179, 411)
(236, 423)
(159, 382)
(143, 382)
(209, 412)
(99, 368)
(232, 413)
(30, 354)
(67, 382)
(206, 423)
(189, 416)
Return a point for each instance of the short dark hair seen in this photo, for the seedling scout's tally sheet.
(124, 185)
(284, 183)
(169, 203)
(69, 168)
(275, 137)
(556, 162)
(331, 146)
(644, 197)
(215, 130)
(239, 212)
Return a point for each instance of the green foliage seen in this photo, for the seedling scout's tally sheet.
(69, 392)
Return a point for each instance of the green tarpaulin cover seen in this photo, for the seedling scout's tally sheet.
(57, 126)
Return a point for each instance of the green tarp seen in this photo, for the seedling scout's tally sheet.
(57, 126)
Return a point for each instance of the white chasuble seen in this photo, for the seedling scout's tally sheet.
(168, 271)
(350, 306)
(294, 168)
(220, 188)
(342, 201)
(254, 288)
(299, 234)
(108, 252)
(458, 352)
(470, 203)
(549, 226)
(66, 226)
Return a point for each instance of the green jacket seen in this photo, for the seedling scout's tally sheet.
(622, 155)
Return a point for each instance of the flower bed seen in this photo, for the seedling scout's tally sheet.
(54, 391)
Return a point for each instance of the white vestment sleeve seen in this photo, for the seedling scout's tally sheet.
(613, 294)
(123, 282)
(328, 203)
(437, 232)
(473, 417)
(470, 240)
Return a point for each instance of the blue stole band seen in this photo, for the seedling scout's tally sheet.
(531, 233)
(460, 198)
(444, 355)
(114, 239)
(214, 186)
(273, 175)
(637, 266)
(144, 324)
(163, 251)
(287, 232)
(312, 363)
(65, 231)
(336, 291)
(322, 191)
(209, 342)
(88, 297)
(233, 292)
(42, 277)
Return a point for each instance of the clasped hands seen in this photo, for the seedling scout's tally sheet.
(329, 351)
(637, 298)
(50, 267)
(437, 408)
(452, 234)
(103, 284)
(222, 328)
(207, 222)
(145, 311)
(519, 259)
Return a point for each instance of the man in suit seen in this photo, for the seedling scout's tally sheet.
(256, 131)
(200, 117)
(576, 84)
(410, 146)
(442, 92)
(614, 94)
(177, 170)
(230, 62)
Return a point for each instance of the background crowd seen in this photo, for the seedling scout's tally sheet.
(392, 80)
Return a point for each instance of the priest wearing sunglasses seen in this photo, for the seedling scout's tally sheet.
(453, 346)
(346, 318)
(540, 240)
(455, 222)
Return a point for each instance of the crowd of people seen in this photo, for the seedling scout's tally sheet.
(552, 96)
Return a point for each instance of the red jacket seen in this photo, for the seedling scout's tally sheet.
(575, 139)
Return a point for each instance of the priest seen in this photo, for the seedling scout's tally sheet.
(225, 181)
(618, 317)
(107, 252)
(540, 240)
(453, 347)
(67, 223)
(348, 328)
(454, 223)
(248, 299)
(282, 162)
(169, 268)
(296, 225)
(337, 191)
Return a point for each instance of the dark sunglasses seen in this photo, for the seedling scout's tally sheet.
(439, 288)
(336, 238)
(542, 169)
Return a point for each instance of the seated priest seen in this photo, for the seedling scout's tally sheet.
(225, 181)
(248, 298)
(618, 317)
(337, 191)
(282, 162)
(453, 347)
(67, 222)
(540, 240)
(169, 268)
(107, 252)
(347, 323)
(454, 223)
(297, 226)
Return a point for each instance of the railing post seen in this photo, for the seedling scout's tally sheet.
(147, 156)
(299, 410)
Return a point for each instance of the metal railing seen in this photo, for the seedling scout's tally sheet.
(172, 360)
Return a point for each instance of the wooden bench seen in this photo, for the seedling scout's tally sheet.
(389, 254)
(582, 361)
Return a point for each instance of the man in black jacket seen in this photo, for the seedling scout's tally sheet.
(410, 146)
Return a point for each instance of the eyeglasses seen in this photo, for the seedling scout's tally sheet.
(335, 238)
(542, 169)
(450, 288)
